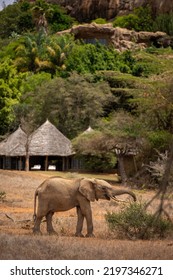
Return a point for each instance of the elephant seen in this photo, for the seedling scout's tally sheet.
(57, 194)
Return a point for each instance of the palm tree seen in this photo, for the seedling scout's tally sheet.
(39, 52)
(40, 11)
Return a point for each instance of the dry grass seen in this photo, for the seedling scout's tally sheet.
(18, 242)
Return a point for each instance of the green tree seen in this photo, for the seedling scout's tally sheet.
(15, 18)
(119, 135)
(23, 110)
(156, 113)
(26, 16)
(10, 83)
(58, 19)
(38, 52)
(72, 104)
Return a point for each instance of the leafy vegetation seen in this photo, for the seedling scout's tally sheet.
(140, 20)
(25, 16)
(10, 82)
(134, 222)
(143, 19)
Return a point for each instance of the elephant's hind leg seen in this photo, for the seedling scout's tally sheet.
(50, 228)
(36, 229)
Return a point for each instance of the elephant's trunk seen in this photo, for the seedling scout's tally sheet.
(120, 192)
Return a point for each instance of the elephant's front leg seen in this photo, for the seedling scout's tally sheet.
(80, 219)
(89, 221)
(87, 213)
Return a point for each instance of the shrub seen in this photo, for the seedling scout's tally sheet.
(128, 21)
(139, 20)
(99, 21)
(144, 69)
(134, 222)
(164, 22)
(100, 163)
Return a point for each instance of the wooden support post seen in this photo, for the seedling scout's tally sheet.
(46, 163)
(20, 163)
(63, 163)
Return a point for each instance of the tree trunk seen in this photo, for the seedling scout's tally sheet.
(122, 168)
(27, 155)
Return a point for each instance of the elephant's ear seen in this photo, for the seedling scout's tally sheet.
(87, 189)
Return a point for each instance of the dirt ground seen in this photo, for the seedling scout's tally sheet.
(18, 242)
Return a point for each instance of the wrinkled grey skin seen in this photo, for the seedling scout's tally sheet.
(56, 195)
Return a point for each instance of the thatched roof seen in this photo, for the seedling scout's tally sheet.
(14, 144)
(48, 140)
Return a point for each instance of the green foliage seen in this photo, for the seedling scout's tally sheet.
(10, 82)
(159, 140)
(23, 110)
(24, 16)
(143, 69)
(91, 58)
(128, 21)
(139, 20)
(38, 52)
(85, 58)
(100, 20)
(58, 19)
(15, 19)
(164, 22)
(99, 163)
(72, 103)
(134, 222)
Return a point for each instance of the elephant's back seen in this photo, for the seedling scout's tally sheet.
(56, 184)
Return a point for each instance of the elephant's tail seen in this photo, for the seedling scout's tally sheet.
(35, 204)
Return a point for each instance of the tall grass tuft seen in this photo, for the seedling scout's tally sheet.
(2, 195)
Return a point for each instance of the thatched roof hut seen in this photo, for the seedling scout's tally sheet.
(44, 146)
(47, 140)
(14, 144)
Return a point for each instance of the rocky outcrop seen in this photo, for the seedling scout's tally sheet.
(162, 6)
(121, 38)
(86, 10)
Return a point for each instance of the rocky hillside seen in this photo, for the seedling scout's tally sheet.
(86, 10)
